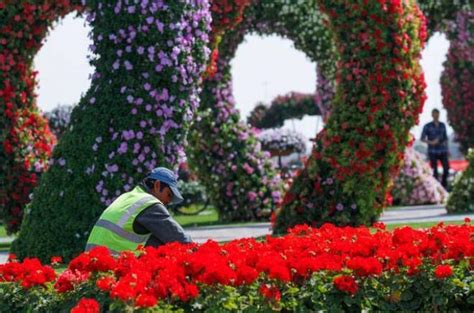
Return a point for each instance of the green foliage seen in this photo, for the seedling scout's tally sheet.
(439, 12)
(193, 193)
(282, 108)
(461, 199)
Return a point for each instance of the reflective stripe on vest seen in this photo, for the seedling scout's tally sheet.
(132, 209)
(114, 229)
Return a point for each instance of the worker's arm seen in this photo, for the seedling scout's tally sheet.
(157, 220)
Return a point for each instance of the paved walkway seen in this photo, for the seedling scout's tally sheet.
(421, 214)
(414, 214)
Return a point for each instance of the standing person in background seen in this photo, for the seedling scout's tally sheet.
(435, 135)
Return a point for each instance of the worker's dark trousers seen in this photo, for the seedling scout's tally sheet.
(443, 158)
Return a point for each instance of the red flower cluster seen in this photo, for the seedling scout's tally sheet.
(86, 305)
(270, 292)
(226, 14)
(28, 142)
(346, 284)
(443, 271)
(178, 271)
(29, 273)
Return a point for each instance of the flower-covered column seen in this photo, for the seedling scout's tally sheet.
(25, 139)
(239, 177)
(457, 80)
(324, 92)
(379, 95)
(149, 58)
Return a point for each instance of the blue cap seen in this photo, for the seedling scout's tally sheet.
(168, 177)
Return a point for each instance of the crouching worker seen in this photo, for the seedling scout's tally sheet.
(139, 217)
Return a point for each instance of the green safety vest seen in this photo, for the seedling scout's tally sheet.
(114, 229)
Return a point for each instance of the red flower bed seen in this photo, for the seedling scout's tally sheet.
(345, 263)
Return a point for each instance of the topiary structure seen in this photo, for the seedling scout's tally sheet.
(149, 58)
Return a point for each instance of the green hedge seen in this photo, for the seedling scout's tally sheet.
(461, 199)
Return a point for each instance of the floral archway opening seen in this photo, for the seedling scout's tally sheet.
(224, 152)
(346, 179)
(64, 70)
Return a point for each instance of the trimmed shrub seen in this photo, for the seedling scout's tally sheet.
(282, 108)
(461, 199)
(193, 193)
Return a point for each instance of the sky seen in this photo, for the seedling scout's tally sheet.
(264, 67)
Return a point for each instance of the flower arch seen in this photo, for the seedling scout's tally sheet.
(368, 138)
(282, 108)
(380, 92)
(310, 35)
(121, 128)
(123, 141)
(224, 151)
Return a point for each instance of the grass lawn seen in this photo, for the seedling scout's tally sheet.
(3, 232)
(208, 217)
(422, 225)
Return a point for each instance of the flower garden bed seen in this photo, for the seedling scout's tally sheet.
(330, 268)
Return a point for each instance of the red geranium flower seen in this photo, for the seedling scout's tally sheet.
(443, 271)
(145, 300)
(346, 284)
(56, 260)
(271, 293)
(86, 305)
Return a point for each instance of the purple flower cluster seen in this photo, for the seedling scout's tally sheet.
(415, 184)
(151, 62)
(282, 140)
(239, 176)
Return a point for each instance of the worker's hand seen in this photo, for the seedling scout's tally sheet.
(434, 141)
